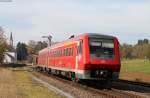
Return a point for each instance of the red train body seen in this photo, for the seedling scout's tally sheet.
(87, 56)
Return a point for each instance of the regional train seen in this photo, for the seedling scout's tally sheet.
(89, 56)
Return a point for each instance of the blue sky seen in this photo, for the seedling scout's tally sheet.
(129, 20)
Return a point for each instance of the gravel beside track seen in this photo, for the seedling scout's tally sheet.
(81, 90)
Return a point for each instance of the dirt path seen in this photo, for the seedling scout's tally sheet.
(135, 76)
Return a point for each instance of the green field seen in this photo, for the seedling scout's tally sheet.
(136, 65)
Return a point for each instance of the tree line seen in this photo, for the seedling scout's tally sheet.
(27, 52)
(141, 50)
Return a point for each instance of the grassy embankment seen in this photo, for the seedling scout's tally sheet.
(136, 70)
(18, 84)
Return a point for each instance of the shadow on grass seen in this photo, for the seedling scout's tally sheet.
(13, 65)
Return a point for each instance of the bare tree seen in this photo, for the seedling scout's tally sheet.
(3, 44)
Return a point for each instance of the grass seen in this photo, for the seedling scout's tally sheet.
(136, 65)
(135, 70)
(18, 84)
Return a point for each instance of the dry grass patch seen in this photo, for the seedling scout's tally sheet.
(7, 85)
(18, 84)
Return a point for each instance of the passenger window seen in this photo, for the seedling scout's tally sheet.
(60, 52)
(64, 53)
(72, 51)
(69, 50)
(79, 48)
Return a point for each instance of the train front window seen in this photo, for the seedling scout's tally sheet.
(101, 48)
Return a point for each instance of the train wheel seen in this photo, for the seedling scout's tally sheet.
(41, 69)
(73, 77)
(49, 71)
(37, 69)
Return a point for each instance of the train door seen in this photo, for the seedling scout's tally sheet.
(79, 54)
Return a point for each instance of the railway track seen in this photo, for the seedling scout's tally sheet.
(130, 86)
(134, 83)
(87, 90)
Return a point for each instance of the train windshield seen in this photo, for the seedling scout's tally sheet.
(101, 48)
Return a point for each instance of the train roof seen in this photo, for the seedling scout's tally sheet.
(95, 35)
(98, 35)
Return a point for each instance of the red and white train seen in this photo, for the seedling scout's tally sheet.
(87, 56)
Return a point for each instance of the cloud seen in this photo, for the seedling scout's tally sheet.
(33, 19)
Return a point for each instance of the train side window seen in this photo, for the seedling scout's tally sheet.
(79, 48)
(64, 53)
(72, 51)
(53, 53)
(56, 53)
(67, 52)
(61, 53)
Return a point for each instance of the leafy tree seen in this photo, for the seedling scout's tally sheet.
(141, 50)
(148, 54)
(126, 51)
(21, 51)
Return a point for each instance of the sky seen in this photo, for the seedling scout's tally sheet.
(129, 20)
